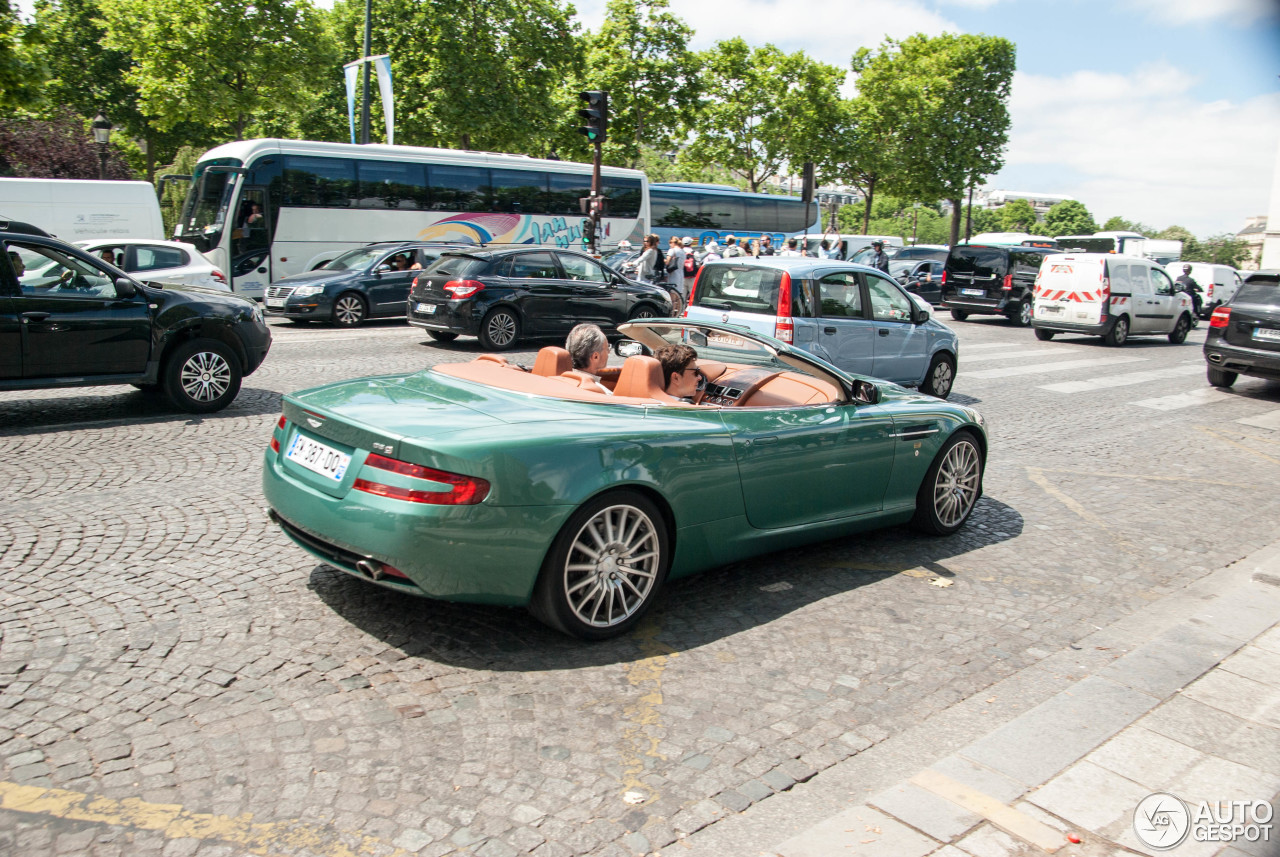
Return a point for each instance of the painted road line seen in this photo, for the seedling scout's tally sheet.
(983, 346)
(174, 822)
(1038, 368)
(1270, 420)
(1034, 352)
(1191, 399)
(1124, 380)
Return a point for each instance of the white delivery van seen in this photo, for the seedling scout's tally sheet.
(75, 210)
(1219, 282)
(1103, 294)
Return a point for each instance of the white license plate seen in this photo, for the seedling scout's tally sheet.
(318, 457)
(275, 303)
(1266, 333)
(1050, 309)
(427, 309)
(977, 293)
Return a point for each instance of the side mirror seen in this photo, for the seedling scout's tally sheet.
(125, 287)
(866, 392)
(918, 316)
(629, 348)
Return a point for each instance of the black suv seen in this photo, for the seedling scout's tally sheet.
(68, 319)
(368, 282)
(992, 280)
(1244, 333)
(503, 294)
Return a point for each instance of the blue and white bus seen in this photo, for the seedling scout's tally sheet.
(707, 212)
(264, 209)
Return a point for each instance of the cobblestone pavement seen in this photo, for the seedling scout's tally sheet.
(182, 680)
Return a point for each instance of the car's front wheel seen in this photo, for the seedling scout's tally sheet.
(940, 377)
(349, 310)
(951, 487)
(1022, 313)
(202, 376)
(605, 568)
(959, 314)
(645, 311)
(500, 329)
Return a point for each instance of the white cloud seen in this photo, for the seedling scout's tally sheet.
(1141, 146)
(1198, 11)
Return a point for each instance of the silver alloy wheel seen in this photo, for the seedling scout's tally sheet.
(942, 378)
(1121, 332)
(501, 329)
(612, 565)
(348, 310)
(1024, 313)
(205, 376)
(644, 312)
(956, 488)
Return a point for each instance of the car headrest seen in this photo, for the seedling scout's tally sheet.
(641, 378)
(552, 361)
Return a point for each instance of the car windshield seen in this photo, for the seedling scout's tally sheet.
(1259, 291)
(356, 260)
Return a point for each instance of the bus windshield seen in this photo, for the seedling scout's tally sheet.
(1088, 245)
(204, 214)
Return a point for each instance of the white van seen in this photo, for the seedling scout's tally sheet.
(75, 210)
(1219, 282)
(1103, 294)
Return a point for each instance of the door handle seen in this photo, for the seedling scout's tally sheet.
(767, 439)
(828, 330)
(883, 331)
(34, 316)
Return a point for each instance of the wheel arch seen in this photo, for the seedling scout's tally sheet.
(203, 329)
(648, 491)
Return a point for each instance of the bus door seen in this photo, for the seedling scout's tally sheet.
(251, 244)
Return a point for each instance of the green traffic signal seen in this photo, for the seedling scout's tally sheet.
(596, 113)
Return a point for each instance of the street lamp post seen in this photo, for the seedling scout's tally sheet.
(915, 219)
(102, 136)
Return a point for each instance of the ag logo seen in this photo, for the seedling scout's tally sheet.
(1161, 821)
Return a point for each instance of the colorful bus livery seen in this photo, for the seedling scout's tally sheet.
(708, 212)
(266, 209)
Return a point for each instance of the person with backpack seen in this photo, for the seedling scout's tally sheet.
(731, 248)
(675, 267)
(690, 259)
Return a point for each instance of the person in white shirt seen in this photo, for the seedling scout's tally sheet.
(675, 267)
(588, 347)
(791, 249)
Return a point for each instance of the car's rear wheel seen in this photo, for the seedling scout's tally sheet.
(442, 335)
(1021, 315)
(500, 329)
(1119, 333)
(1045, 335)
(940, 377)
(1221, 377)
(959, 314)
(349, 310)
(951, 487)
(1180, 330)
(605, 568)
(202, 376)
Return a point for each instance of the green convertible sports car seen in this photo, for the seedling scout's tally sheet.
(489, 482)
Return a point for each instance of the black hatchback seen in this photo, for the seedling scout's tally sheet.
(368, 282)
(501, 295)
(992, 280)
(1244, 333)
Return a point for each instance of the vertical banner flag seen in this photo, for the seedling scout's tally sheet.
(383, 66)
(351, 71)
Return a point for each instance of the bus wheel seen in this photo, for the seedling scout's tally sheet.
(348, 310)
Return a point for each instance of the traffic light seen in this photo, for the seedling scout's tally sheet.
(596, 113)
(588, 231)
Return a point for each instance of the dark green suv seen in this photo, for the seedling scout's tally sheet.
(70, 319)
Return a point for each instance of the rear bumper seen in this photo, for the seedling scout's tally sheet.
(453, 317)
(1040, 323)
(1244, 361)
(980, 305)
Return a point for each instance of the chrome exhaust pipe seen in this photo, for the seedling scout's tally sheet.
(370, 568)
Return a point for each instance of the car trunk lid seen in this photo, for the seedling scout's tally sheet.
(1255, 317)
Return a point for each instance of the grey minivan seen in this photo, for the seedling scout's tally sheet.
(850, 315)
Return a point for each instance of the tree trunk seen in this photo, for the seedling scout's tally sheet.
(866, 208)
(956, 214)
(151, 160)
(466, 141)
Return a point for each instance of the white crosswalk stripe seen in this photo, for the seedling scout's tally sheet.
(1125, 379)
(1269, 420)
(985, 346)
(1038, 368)
(1007, 355)
(1190, 399)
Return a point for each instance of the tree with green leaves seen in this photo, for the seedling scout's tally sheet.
(951, 94)
(1119, 224)
(1224, 249)
(221, 64)
(763, 110)
(1069, 217)
(1017, 215)
(19, 75)
(864, 149)
(641, 57)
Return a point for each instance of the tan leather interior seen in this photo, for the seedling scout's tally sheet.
(552, 361)
(641, 378)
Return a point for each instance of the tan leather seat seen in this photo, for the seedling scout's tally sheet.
(586, 381)
(552, 361)
(641, 378)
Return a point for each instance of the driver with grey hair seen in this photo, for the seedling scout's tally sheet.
(589, 348)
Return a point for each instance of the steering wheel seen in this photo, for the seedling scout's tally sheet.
(701, 392)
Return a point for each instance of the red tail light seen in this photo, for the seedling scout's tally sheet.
(281, 422)
(414, 284)
(464, 491)
(459, 289)
(944, 276)
(219, 276)
(784, 328)
(1221, 317)
(1008, 283)
(275, 444)
(275, 441)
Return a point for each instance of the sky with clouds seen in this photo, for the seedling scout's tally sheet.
(1161, 111)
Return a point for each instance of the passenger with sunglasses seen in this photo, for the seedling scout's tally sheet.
(679, 371)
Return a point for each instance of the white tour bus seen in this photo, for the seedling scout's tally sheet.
(264, 209)
(1159, 250)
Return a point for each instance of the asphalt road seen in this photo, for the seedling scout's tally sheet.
(187, 682)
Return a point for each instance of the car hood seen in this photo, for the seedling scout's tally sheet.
(308, 277)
